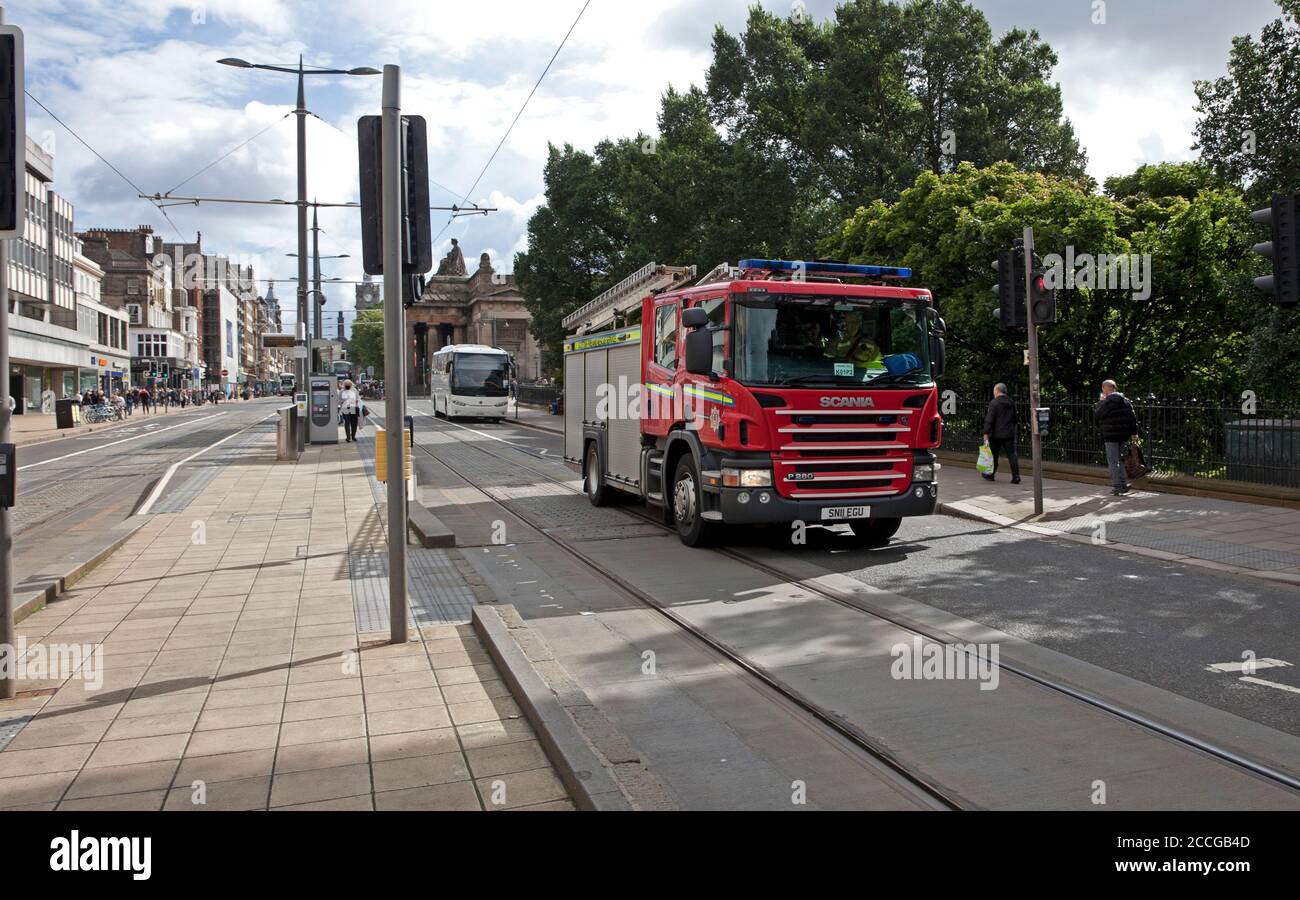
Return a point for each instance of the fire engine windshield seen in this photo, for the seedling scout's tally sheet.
(830, 340)
(480, 374)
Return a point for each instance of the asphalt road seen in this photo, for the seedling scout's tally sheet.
(1160, 623)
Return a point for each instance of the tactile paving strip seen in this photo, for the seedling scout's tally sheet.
(10, 727)
(435, 591)
(208, 467)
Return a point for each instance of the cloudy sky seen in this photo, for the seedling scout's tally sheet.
(138, 81)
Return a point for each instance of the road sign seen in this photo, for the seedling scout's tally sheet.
(225, 372)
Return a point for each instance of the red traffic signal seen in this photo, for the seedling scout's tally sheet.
(1042, 300)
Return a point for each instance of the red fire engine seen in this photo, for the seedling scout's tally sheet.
(769, 392)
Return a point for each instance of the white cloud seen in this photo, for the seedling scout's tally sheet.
(138, 80)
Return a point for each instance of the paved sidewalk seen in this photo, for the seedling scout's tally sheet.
(234, 675)
(536, 416)
(1225, 535)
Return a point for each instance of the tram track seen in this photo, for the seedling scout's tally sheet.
(943, 794)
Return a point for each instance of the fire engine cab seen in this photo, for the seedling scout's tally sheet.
(774, 391)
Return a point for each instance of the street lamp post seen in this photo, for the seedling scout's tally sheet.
(317, 331)
(301, 112)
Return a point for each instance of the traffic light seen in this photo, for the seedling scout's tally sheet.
(1010, 290)
(1283, 249)
(417, 237)
(1042, 306)
(13, 134)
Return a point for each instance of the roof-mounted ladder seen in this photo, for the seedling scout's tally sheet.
(625, 296)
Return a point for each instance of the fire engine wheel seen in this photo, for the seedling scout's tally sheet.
(592, 481)
(874, 532)
(691, 527)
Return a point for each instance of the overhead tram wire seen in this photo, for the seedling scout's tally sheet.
(230, 152)
(139, 191)
(465, 197)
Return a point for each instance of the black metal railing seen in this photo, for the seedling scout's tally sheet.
(1255, 442)
(538, 394)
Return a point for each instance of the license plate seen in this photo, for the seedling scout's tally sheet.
(834, 513)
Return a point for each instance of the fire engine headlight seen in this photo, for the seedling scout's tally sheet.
(750, 478)
(924, 471)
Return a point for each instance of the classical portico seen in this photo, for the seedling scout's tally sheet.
(461, 308)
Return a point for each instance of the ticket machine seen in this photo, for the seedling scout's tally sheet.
(322, 409)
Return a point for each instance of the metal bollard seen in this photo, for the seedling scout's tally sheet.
(286, 433)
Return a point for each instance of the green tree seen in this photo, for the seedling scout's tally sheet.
(859, 106)
(798, 124)
(1247, 132)
(1249, 117)
(1186, 336)
(577, 242)
(367, 343)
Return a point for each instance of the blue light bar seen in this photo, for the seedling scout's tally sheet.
(826, 268)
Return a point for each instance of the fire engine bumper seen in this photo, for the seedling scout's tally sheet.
(919, 500)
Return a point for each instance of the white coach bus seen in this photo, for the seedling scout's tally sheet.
(470, 380)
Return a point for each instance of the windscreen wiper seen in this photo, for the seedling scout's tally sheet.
(894, 376)
(820, 379)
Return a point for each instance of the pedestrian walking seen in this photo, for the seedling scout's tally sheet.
(350, 407)
(1118, 422)
(1000, 432)
(144, 400)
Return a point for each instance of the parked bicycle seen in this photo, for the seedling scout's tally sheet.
(101, 412)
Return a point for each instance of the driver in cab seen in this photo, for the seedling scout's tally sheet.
(855, 346)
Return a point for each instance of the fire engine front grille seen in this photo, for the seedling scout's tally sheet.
(843, 452)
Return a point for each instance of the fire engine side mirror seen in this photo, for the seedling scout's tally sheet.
(699, 352)
(695, 317)
(937, 354)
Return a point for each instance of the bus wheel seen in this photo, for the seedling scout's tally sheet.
(874, 532)
(687, 504)
(593, 481)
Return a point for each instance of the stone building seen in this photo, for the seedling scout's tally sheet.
(139, 277)
(458, 307)
(61, 338)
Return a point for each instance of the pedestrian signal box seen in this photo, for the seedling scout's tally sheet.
(8, 475)
(1044, 416)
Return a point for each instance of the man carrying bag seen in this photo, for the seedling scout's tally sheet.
(1000, 433)
(1119, 426)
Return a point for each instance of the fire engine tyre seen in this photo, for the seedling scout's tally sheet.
(686, 498)
(874, 532)
(593, 481)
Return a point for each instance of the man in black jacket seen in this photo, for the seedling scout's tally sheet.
(1118, 422)
(1000, 432)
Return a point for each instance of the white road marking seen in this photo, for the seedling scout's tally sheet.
(482, 433)
(1272, 684)
(162, 482)
(46, 462)
(1264, 663)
